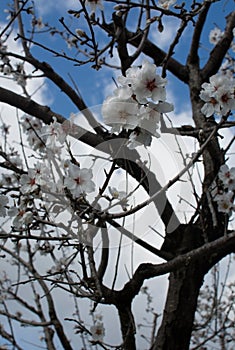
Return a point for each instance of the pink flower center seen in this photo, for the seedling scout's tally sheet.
(78, 181)
(213, 101)
(224, 98)
(32, 182)
(21, 212)
(225, 205)
(151, 85)
(98, 331)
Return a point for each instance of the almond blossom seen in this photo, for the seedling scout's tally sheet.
(215, 35)
(78, 181)
(53, 134)
(37, 176)
(218, 95)
(23, 216)
(132, 107)
(120, 195)
(227, 176)
(120, 113)
(32, 128)
(225, 202)
(94, 4)
(166, 3)
(145, 83)
(139, 137)
(98, 331)
(148, 84)
(28, 182)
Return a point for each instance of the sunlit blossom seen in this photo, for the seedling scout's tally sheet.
(120, 113)
(132, 106)
(79, 180)
(148, 84)
(94, 4)
(215, 35)
(218, 95)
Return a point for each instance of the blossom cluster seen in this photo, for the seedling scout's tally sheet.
(98, 330)
(218, 95)
(18, 73)
(49, 180)
(136, 105)
(225, 196)
(216, 34)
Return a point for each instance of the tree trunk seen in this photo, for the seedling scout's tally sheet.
(176, 328)
(127, 327)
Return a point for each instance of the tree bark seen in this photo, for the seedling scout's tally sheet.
(176, 328)
(127, 326)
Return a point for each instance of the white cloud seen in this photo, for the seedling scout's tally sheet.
(163, 39)
(45, 7)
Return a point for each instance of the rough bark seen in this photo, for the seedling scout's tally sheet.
(127, 326)
(176, 328)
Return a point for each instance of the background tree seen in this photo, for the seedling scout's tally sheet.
(66, 225)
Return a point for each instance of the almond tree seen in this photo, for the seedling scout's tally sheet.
(62, 216)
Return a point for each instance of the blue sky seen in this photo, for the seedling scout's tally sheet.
(93, 84)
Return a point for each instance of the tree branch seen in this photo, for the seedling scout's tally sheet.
(193, 53)
(219, 51)
(211, 252)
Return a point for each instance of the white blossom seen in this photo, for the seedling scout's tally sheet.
(120, 113)
(148, 84)
(53, 134)
(227, 176)
(218, 95)
(211, 105)
(98, 331)
(120, 195)
(131, 76)
(215, 35)
(166, 3)
(16, 160)
(139, 137)
(145, 83)
(132, 107)
(28, 182)
(3, 202)
(23, 216)
(225, 202)
(78, 181)
(226, 100)
(94, 4)
(33, 128)
(19, 75)
(39, 23)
